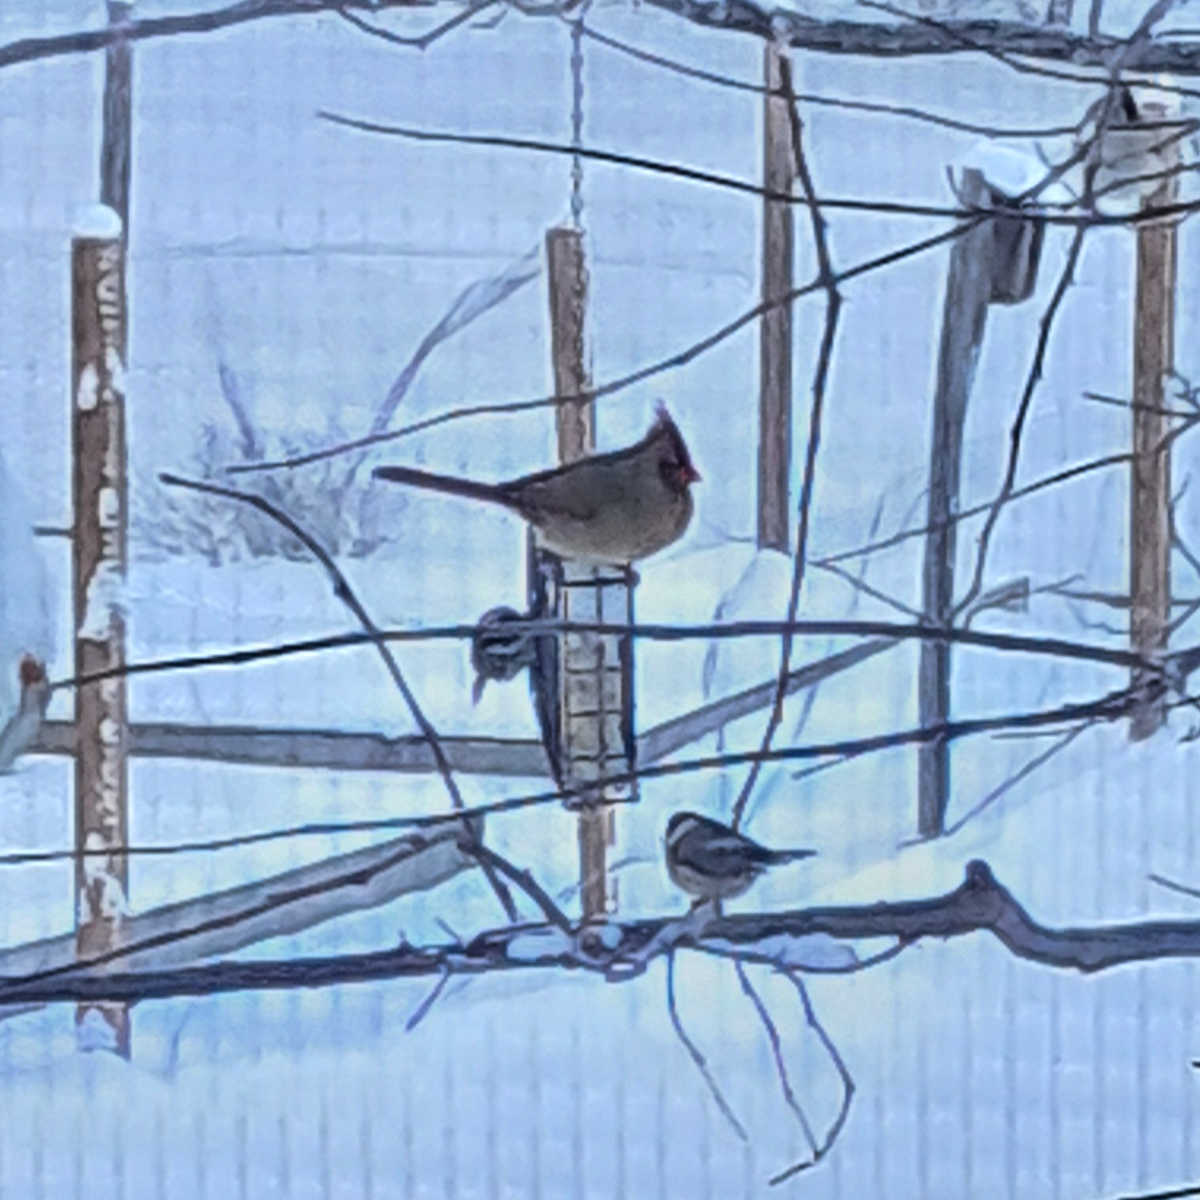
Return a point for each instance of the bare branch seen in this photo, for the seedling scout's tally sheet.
(1017, 493)
(422, 41)
(422, 1009)
(866, 589)
(1113, 706)
(891, 110)
(658, 167)
(835, 1057)
(674, 361)
(1138, 406)
(1018, 426)
(812, 202)
(1174, 886)
(833, 303)
(651, 631)
(222, 922)
(776, 1053)
(1023, 773)
(343, 591)
(1004, 50)
(525, 881)
(858, 38)
(979, 904)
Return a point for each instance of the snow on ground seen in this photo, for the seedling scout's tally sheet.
(310, 262)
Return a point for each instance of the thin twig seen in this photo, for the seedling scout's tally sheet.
(776, 1052)
(833, 304)
(422, 1009)
(860, 585)
(343, 591)
(1013, 643)
(1023, 773)
(526, 882)
(1018, 426)
(694, 1052)
(1114, 706)
(1173, 886)
(1152, 17)
(843, 1073)
(637, 162)
(670, 363)
(732, 183)
(421, 41)
(1138, 406)
(890, 110)
(862, 964)
(1047, 481)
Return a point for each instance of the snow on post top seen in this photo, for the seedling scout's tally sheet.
(98, 222)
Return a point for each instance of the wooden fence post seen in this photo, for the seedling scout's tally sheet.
(98, 332)
(576, 425)
(1150, 474)
(964, 314)
(775, 329)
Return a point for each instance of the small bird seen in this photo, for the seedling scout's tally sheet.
(499, 652)
(609, 508)
(712, 861)
(22, 728)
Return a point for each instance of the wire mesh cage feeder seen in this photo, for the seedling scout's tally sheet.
(583, 679)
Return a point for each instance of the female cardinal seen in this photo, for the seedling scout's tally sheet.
(610, 508)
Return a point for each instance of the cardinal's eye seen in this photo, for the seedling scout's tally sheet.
(670, 470)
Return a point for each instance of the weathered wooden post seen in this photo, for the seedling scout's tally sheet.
(995, 262)
(576, 425)
(1150, 473)
(98, 333)
(775, 329)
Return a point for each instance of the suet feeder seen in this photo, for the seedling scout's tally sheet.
(583, 679)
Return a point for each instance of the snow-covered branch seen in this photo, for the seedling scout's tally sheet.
(203, 927)
(814, 938)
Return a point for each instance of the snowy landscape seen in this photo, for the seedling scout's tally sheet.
(283, 272)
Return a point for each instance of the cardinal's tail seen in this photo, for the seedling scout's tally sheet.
(450, 484)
